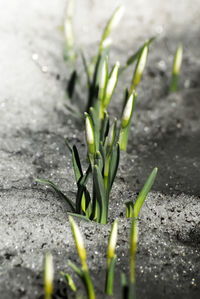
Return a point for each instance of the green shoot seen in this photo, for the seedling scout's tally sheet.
(48, 276)
(133, 210)
(176, 68)
(69, 51)
(110, 26)
(111, 258)
(139, 69)
(126, 121)
(133, 249)
(69, 281)
(124, 285)
(82, 255)
(112, 81)
(90, 137)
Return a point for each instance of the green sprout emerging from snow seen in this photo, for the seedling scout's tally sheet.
(176, 68)
(128, 286)
(104, 142)
(48, 276)
(132, 209)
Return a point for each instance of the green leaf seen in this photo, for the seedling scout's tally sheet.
(69, 281)
(135, 56)
(82, 217)
(114, 163)
(88, 284)
(124, 285)
(129, 209)
(104, 127)
(71, 84)
(144, 192)
(99, 161)
(82, 189)
(110, 276)
(76, 164)
(68, 145)
(76, 269)
(62, 195)
(101, 194)
(85, 68)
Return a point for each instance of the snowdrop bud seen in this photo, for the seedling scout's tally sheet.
(178, 60)
(115, 19)
(140, 67)
(111, 84)
(112, 241)
(78, 241)
(70, 9)
(128, 109)
(48, 275)
(69, 33)
(89, 134)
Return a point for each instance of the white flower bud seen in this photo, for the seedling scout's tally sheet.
(111, 84)
(48, 274)
(127, 110)
(78, 241)
(116, 18)
(112, 241)
(89, 131)
(178, 60)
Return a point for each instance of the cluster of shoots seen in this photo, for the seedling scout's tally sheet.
(128, 286)
(104, 139)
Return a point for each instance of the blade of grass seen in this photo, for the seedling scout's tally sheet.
(114, 163)
(69, 281)
(85, 68)
(144, 192)
(71, 84)
(57, 190)
(76, 164)
(82, 217)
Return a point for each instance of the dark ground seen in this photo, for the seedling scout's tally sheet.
(165, 133)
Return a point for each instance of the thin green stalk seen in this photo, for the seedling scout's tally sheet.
(133, 249)
(110, 276)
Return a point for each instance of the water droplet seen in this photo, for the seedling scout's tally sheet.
(35, 56)
(187, 83)
(162, 65)
(44, 68)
